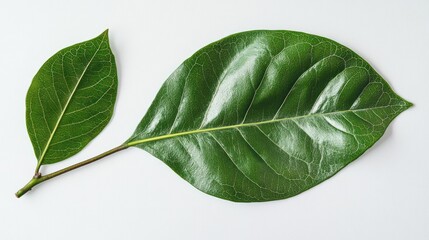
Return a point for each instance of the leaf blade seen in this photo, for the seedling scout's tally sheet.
(265, 115)
(68, 103)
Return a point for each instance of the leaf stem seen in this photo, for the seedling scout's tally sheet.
(37, 171)
(37, 179)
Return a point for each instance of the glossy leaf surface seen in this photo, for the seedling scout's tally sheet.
(265, 115)
(71, 99)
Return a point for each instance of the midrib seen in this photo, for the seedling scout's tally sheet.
(67, 104)
(133, 143)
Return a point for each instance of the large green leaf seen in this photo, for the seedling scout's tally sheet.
(265, 115)
(71, 99)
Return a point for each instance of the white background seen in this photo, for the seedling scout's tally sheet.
(132, 195)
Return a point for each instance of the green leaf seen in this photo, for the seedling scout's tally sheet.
(71, 99)
(266, 115)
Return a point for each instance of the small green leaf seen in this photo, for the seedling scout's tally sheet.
(71, 99)
(266, 115)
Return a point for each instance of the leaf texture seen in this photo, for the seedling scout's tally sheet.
(71, 99)
(266, 115)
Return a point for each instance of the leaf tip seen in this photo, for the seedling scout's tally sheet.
(106, 32)
(407, 104)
